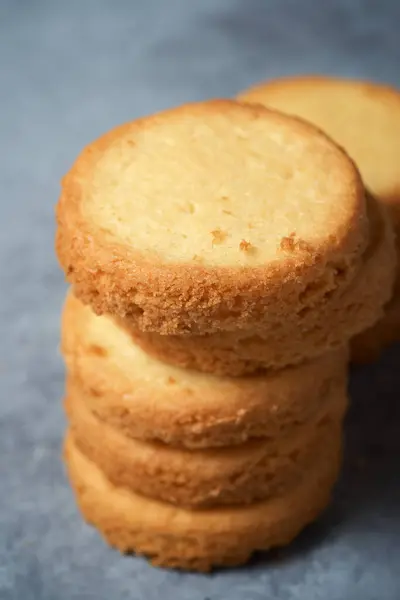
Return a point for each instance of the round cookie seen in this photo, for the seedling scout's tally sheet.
(197, 540)
(364, 118)
(236, 353)
(148, 399)
(209, 217)
(368, 346)
(241, 474)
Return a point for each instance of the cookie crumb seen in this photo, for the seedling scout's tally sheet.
(218, 236)
(97, 350)
(287, 243)
(246, 246)
(291, 244)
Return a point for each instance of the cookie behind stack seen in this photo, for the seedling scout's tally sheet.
(365, 119)
(231, 239)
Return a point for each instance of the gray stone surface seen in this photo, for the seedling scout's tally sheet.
(68, 71)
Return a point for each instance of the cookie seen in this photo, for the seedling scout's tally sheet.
(364, 118)
(197, 540)
(241, 474)
(367, 346)
(214, 216)
(236, 353)
(148, 399)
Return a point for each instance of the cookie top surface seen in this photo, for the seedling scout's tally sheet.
(217, 183)
(362, 117)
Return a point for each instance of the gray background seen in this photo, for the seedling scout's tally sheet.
(69, 71)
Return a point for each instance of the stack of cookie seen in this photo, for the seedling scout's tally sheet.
(221, 256)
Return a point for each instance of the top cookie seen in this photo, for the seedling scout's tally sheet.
(211, 216)
(363, 117)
